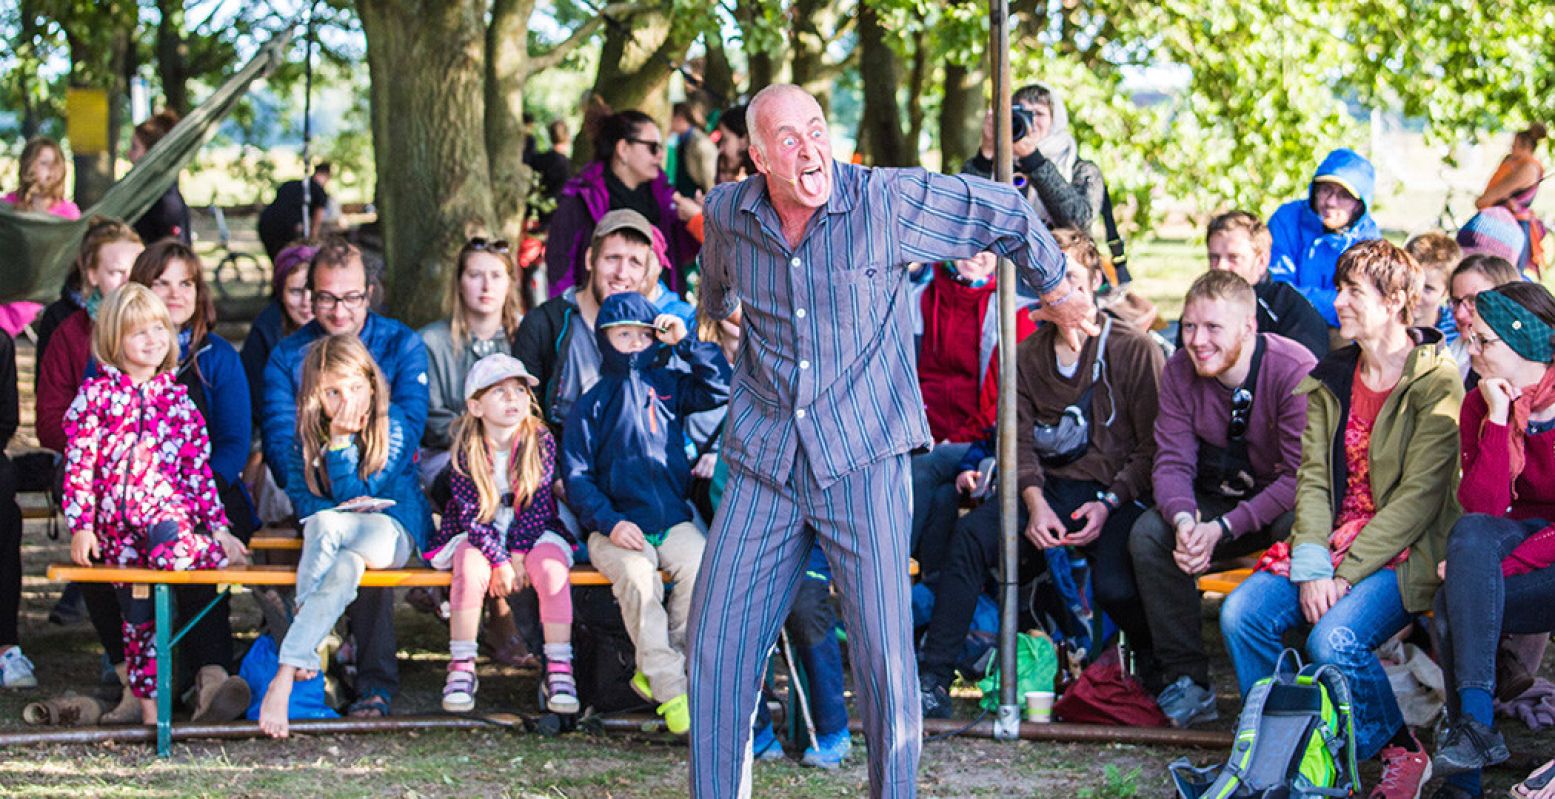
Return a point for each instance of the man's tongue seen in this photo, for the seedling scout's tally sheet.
(810, 181)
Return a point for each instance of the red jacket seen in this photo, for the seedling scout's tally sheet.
(60, 376)
(958, 355)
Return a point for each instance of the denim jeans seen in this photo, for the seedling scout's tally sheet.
(336, 549)
(1477, 605)
(1256, 615)
(935, 504)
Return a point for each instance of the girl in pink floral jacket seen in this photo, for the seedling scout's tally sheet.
(138, 484)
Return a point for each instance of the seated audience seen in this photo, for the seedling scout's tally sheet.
(1374, 502)
(626, 475)
(1239, 242)
(1437, 255)
(500, 532)
(1228, 442)
(108, 250)
(1079, 488)
(1501, 554)
(352, 444)
(338, 281)
(1472, 275)
(168, 514)
(958, 339)
(1310, 233)
(290, 307)
(485, 312)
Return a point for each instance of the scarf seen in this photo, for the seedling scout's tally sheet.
(1058, 146)
(1538, 398)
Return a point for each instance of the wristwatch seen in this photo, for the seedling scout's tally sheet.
(1225, 529)
(1110, 499)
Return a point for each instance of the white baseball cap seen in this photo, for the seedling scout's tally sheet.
(494, 369)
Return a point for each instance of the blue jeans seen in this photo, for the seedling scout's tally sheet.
(1256, 615)
(336, 549)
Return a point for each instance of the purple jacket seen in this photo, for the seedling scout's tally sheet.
(583, 201)
(1195, 409)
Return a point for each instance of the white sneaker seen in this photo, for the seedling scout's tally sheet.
(16, 670)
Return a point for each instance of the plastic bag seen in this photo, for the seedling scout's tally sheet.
(1036, 664)
(258, 669)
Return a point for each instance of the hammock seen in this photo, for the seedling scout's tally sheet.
(37, 250)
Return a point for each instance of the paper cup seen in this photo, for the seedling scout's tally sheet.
(1039, 706)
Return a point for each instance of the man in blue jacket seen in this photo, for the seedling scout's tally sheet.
(1311, 233)
(337, 279)
(627, 476)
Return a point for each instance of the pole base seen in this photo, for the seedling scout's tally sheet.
(1007, 726)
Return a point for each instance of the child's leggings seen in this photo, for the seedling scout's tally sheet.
(547, 565)
(167, 549)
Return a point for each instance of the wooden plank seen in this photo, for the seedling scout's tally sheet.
(275, 543)
(1224, 582)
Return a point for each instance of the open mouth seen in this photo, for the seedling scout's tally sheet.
(810, 179)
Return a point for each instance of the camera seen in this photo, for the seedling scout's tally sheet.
(1020, 122)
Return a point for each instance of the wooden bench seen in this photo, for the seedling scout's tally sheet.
(583, 575)
(1223, 582)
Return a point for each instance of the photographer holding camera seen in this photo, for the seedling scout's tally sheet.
(1065, 189)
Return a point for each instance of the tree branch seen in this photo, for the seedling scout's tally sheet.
(557, 54)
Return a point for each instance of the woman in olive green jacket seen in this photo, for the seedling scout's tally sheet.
(1375, 499)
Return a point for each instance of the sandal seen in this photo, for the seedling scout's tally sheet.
(1537, 781)
(459, 690)
(372, 705)
(561, 692)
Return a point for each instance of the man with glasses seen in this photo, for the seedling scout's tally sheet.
(1228, 442)
(338, 280)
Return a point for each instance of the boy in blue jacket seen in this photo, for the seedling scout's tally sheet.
(627, 474)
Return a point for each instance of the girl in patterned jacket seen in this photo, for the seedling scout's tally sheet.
(138, 484)
(500, 529)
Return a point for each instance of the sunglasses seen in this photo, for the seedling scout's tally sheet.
(478, 244)
(1241, 407)
(653, 146)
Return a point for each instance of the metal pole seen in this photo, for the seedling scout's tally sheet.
(1006, 726)
(307, 129)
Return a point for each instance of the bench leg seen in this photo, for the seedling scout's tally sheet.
(164, 639)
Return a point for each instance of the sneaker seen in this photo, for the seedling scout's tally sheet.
(677, 715)
(561, 692)
(935, 699)
(16, 671)
(459, 689)
(1187, 703)
(1404, 773)
(1468, 746)
(766, 746)
(828, 751)
(641, 687)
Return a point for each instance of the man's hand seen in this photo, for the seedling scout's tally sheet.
(1095, 514)
(83, 548)
(967, 480)
(1196, 546)
(705, 465)
(1072, 311)
(669, 328)
(1043, 529)
(628, 536)
(1318, 596)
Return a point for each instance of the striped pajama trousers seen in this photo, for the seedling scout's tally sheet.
(752, 566)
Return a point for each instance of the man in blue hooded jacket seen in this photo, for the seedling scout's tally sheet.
(627, 476)
(1311, 233)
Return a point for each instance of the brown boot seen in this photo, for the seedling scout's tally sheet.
(128, 709)
(69, 710)
(219, 696)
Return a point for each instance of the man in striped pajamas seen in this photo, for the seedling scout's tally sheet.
(823, 412)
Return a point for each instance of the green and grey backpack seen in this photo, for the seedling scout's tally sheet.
(1295, 739)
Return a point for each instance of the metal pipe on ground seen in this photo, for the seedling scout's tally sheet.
(1057, 732)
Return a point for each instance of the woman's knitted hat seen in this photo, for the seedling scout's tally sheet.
(1493, 231)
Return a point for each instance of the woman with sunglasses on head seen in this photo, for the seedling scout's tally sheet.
(627, 172)
(1500, 565)
(1374, 502)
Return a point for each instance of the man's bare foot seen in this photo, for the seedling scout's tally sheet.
(278, 697)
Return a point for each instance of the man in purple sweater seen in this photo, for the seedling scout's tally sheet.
(1228, 442)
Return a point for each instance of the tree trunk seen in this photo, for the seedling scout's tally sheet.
(880, 129)
(507, 70)
(26, 54)
(172, 56)
(718, 78)
(917, 80)
(807, 45)
(960, 117)
(639, 53)
(427, 60)
(761, 67)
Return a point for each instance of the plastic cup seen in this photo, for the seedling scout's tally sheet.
(1039, 706)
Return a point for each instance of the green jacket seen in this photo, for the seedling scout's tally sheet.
(1414, 466)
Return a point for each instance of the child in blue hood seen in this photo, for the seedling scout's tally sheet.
(1311, 233)
(627, 476)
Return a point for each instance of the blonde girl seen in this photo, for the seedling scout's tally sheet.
(500, 530)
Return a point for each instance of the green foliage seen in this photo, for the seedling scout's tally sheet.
(1115, 785)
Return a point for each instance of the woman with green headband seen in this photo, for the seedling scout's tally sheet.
(1500, 565)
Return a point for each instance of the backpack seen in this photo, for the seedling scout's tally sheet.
(1295, 739)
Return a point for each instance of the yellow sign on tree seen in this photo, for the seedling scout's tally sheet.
(86, 120)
